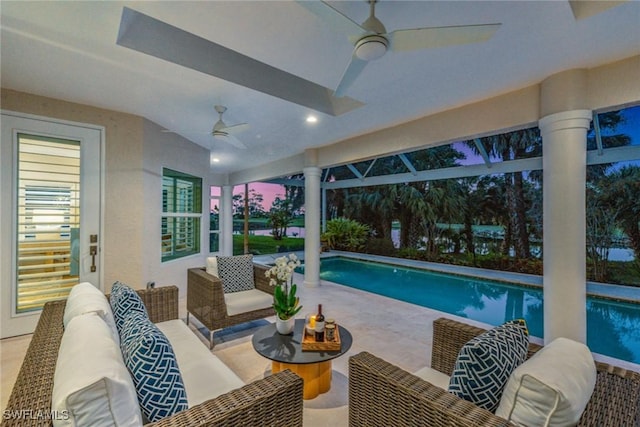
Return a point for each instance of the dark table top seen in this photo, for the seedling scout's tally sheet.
(288, 348)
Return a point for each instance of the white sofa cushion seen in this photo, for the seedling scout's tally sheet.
(434, 377)
(212, 265)
(203, 374)
(91, 384)
(552, 388)
(246, 301)
(85, 298)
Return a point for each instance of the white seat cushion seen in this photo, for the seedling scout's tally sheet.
(434, 377)
(245, 301)
(552, 388)
(91, 384)
(203, 374)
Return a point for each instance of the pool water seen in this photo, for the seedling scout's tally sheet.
(613, 328)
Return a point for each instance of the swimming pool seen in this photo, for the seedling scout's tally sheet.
(613, 328)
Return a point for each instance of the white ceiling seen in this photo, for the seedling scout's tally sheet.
(67, 50)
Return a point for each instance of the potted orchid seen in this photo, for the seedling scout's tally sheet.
(285, 303)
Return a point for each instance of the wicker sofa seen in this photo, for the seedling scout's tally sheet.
(206, 300)
(272, 401)
(381, 394)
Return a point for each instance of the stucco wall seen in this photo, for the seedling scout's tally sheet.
(162, 149)
(135, 151)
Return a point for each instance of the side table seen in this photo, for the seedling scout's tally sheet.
(285, 352)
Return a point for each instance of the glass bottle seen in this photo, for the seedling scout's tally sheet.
(319, 329)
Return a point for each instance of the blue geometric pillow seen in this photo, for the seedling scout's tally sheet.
(124, 301)
(485, 363)
(152, 363)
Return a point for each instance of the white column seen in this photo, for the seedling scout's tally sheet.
(564, 163)
(226, 220)
(312, 225)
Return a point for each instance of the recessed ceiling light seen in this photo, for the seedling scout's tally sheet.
(312, 119)
(216, 160)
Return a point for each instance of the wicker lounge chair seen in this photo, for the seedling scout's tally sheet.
(267, 401)
(381, 394)
(205, 300)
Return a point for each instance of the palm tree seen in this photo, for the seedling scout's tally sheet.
(514, 145)
(621, 191)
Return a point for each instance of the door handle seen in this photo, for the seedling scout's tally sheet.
(93, 251)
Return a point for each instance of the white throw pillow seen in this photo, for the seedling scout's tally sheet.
(552, 388)
(91, 385)
(212, 265)
(85, 298)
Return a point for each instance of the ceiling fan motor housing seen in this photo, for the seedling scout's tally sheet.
(371, 47)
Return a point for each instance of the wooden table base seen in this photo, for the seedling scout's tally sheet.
(316, 376)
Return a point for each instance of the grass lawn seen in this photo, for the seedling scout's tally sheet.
(267, 244)
(262, 223)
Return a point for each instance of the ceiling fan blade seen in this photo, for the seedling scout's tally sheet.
(424, 38)
(161, 40)
(240, 127)
(352, 72)
(332, 17)
(584, 9)
(234, 141)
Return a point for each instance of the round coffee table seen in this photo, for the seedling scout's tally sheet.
(285, 352)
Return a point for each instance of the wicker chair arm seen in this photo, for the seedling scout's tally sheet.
(161, 303)
(384, 395)
(615, 400)
(260, 280)
(205, 297)
(272, 401)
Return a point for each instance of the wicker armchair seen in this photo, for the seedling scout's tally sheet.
(381, 394)
(205, 300)
(272, 401)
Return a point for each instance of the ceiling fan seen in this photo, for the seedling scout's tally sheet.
(221, 131)
(371, 39)
(226, 133)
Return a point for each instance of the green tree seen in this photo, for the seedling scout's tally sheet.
(621, 191)
(346, 234)
(411, 204)
(280, 217)
(255, 204)
(508, 146)
(295, 194)
(601, 218)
